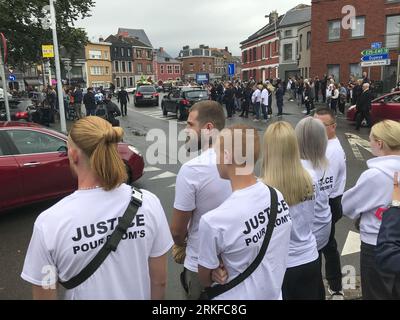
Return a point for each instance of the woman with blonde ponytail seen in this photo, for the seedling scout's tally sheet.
(68, 236)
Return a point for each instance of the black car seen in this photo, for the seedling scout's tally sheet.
(146, 95)
(167, 87)
(19, 110)
(180, 100)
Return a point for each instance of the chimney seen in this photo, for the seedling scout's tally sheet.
(226, 49)
(120, 37)
(101, 39)
(273, 16)
(161, 49)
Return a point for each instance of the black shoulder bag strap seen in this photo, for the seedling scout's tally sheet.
(212, 292)
(111, 244)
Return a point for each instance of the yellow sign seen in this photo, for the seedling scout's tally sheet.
(48, 51)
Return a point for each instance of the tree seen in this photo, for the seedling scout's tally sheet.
(20, 21)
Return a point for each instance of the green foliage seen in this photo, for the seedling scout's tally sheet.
(20, 21)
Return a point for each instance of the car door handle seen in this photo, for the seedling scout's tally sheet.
(31, 164)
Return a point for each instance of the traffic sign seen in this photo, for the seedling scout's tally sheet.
(375, 57)
(231, 69)
(48, 51)
(376, 45)
(375, 63)
(12, 77)
(370, 52)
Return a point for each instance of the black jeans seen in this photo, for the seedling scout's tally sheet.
(280, 107)
(123, 108)
(376, 284)
(323, 92)
(302, 282)
(361, 115)
(230, 105)
(245, 109)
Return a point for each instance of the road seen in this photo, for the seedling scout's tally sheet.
(16, 226)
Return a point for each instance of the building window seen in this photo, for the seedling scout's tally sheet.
(308, 40)
(107, 70)
(288, 33)
(169, 69)
(276, 47)
(122, 54)
(191, 67)
(106, 55)
(269, 55)
(177, 70)
(118, 82)
(355, 70)
(301, 42)
(288, 52)
(334, 30)
(138, 53)
(334, 69)
(392, 31)
(359, 27)
(116, 66)
(263, 52)
(130, 81)
(148, 68)
(96, 71)
(124, 82)
(254, 54)
(245, 56)
(129, 65)
(162, 69)
(148, 54)
(94, 54)
(128, 52)
(123, 66)
(210, 67)
(139, 67)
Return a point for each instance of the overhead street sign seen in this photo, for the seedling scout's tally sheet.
(48, 51)
(375, 57)
(375, 63)
(370, 52)
(376, 45)
(231, 69)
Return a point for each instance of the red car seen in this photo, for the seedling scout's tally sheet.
(34, 164)
(384, 107)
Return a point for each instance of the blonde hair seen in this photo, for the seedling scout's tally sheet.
(389, 132)
(313, 141)
(98, 141)
(281, 167)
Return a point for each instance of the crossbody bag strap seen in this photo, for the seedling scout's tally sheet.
(218, 289)
(111, 244)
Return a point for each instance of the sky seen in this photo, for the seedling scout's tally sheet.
(172, 24)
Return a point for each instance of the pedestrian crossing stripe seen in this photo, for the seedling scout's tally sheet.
(164, 175)
(352, 244)
(151, 169)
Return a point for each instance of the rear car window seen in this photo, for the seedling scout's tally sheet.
(196, 94)
(147, 89)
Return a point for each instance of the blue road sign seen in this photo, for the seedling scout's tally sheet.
(12, 77)
(375, 57)
(231, 69)
(376, 45)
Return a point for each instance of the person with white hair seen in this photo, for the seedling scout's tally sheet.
(363, 107)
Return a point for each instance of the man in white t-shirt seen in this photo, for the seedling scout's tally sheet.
(69, 235)
(232, 234)
(199, 188)
(337, 168)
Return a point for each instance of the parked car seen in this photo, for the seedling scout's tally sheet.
(19, 110)
(180, 100)
(384, 107)
(34, 164)
(146, 94)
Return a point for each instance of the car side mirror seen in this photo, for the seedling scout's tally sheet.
(63, 150)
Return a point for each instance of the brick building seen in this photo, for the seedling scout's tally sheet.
(166, 68)
(337, 50)
(260, 51)
(98, 64)
(197, 60)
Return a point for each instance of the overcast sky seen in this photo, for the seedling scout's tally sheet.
(174, 23)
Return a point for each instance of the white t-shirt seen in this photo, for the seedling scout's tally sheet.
(323, 216)
(70, 233)
(235, 231)
(200, 189)
(303, 245)
(337, 166)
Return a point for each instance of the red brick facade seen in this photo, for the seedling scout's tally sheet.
(347, 50)
(196, 64)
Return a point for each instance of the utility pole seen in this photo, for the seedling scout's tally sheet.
(3, 77)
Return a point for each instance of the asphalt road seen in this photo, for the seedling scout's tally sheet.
(16, 226)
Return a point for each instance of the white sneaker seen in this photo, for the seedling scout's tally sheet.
(256, 120)
(304, 111)
(336, 295)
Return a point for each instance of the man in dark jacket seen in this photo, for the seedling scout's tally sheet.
(279, 98)
(324, 85)
(317, 86)
(112, 111)
(229, 100)
(90, 102)
(363, 107)
(123, 99)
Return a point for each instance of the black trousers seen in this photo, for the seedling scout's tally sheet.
(124, 108)
(361, 115)
(280, 107)
(230, 105)
(376, 284)
(303, 282)
(245, 109)
(323, 92)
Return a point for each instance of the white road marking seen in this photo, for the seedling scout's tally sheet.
(164, 175)
(352, 244)
(151, 169)
(355, 142)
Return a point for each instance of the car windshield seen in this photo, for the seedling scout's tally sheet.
(147, 89)
(196, 94)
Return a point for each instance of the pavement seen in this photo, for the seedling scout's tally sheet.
(159, 178)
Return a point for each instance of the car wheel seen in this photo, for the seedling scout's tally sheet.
(164, 111)
(179, 114)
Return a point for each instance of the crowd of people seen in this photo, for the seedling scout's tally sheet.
(239, 234)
